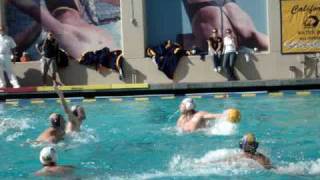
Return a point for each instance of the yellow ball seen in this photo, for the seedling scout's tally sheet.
(233, 115)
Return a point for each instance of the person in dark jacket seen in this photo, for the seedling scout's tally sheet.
(48, 48)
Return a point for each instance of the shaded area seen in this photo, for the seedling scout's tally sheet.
(164, 20)
(133, 75)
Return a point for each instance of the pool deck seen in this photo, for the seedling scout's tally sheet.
(152, 89)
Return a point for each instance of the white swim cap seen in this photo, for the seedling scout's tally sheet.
(74, 109)
(48, 155)
(189, 104)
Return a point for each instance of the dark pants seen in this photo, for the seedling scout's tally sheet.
(229, 59)
(216, 60)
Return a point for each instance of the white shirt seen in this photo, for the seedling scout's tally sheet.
(6, 44)
(229, 45)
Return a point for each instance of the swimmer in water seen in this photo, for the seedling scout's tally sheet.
(190, 119)
(249, 145)
(48, 159)
(56, 132)
(76, 114)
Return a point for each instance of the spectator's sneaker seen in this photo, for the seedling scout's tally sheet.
(219, 68)
(215, 70)
(16, 86)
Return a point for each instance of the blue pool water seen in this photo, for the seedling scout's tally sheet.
(138, 140)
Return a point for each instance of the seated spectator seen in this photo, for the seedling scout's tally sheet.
(25, 57)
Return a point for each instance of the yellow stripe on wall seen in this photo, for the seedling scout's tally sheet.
(88, 87)
(76, 88)
(95, 87)
(45, 88)
(130, 86)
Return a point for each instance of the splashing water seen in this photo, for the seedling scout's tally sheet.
(221, 127)
(85, 136)
(15, 126)
(300, 168)
(222, 162)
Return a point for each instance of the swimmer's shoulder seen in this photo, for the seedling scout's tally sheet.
(66, 169)
(263, 160)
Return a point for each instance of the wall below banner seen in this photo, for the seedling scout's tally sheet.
(190, 70)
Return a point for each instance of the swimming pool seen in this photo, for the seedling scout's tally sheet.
(135, 138)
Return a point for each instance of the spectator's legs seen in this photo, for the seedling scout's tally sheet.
(2, 80)
(216, 61)
(44, 69)
(12, 77)
(54, 69)
(232, 61)
(226, 65)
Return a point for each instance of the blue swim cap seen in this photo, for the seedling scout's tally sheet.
(249, 143)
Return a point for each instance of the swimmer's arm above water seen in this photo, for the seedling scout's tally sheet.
(62, 99)
(210, 116)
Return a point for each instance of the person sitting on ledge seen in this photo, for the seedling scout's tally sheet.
(25, 57)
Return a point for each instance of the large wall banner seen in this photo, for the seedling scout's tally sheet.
(300, 21)
(190, 22)
(78, 25)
